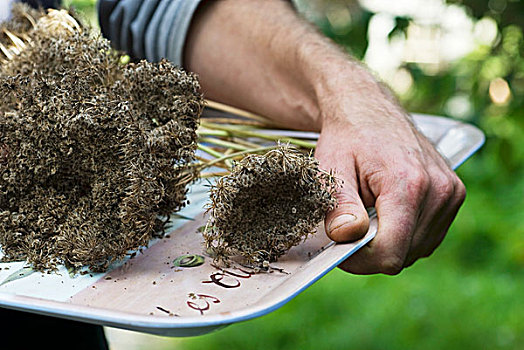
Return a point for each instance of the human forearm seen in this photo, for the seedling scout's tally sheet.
(277, 65)
(251, 60)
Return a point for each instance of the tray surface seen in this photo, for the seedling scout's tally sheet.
(148, 293)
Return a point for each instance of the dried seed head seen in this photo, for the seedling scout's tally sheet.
(91, 152)
(268, 204)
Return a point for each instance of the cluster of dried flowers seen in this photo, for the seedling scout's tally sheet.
(92, 151)
(267, 205)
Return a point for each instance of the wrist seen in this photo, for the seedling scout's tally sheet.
(355, 97)
(345, 91)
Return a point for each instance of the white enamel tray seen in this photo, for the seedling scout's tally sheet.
(149, 294)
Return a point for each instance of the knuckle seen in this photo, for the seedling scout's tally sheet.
(392, 265)
(405, 224)
(444, 187)
(416, 180)
(427, 253)
(345, 199)
(460, 191)
(413, 259)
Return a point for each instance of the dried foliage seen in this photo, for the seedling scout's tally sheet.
(92, 152)
(267, 205)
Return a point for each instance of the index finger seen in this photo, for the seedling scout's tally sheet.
(398, 208)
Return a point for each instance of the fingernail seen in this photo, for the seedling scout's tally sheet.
(340, 221)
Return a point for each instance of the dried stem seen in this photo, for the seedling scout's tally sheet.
(210, 151)
(235, 155)
(223, 143)
(239, 112)
(235, 131)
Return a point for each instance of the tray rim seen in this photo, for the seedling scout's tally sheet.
(481, 138)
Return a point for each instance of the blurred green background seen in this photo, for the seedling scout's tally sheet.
(463, 59)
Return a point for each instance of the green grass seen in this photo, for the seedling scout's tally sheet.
(433, 305)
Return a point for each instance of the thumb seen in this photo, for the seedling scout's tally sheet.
(349, 221)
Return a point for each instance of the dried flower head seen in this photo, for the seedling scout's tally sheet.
(91, 152)
(267, 205)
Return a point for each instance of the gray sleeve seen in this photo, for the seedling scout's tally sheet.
(151, 29)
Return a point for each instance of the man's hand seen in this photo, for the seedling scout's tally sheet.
(386, 163)
(260, 56)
